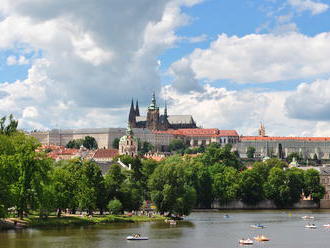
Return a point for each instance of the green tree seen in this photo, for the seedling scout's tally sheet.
(169, 189)
(31, 172)
(90, 143)
(292, 155)
(312, 185)
(250, 152)
(113, 181)
(8, 125)
(77, 143)
(145, 147)
(115, 206)
(115, 143)
(225, 184)
(250, 187)
(176, 145)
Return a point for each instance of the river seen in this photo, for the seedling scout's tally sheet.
(199, 230)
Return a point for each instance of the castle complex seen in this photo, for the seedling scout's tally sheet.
(160, 130)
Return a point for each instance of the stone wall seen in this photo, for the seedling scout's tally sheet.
(267, 204)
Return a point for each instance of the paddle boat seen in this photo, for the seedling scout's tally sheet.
(136, 237)
(327, 225)
(172, 222)
(310, 226)
(307, 217)
(258, 226)
(246, 241)
(261, 238)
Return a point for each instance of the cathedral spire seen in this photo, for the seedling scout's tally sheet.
(165, 109)
(153, 105)
(132, 115)
(137, 110)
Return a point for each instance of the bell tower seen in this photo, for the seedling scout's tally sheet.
(153, 114)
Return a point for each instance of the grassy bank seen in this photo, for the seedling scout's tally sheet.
(52, 221)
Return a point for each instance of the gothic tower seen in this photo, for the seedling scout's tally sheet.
(132, 116)
(262, 130)
(137, 110)
(153, 115)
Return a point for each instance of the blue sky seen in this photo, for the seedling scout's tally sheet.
(231, 64)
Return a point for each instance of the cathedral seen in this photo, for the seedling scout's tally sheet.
(155, 121)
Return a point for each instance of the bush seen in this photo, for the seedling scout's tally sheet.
(115, 206)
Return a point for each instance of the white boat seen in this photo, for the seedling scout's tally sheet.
(136, 237)
(310, 226)
(258, 226)
(172, 222)
(246, 241)
(327, 225)
(307, 217)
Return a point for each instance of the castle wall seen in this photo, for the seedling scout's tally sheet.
(307, 149)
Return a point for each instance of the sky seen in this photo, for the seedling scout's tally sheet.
(230, 64)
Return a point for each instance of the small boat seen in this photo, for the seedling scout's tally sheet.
(246, 241)
(307, 217)
(310, 226)
(327, 225)
(258, 226)
(261, 238)
(136, 237)
(226, 216)
(172, 222)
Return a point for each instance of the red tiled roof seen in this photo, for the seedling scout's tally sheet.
(251, 138)
(211, 132)
(105, 153)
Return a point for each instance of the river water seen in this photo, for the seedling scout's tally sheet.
(199, 230)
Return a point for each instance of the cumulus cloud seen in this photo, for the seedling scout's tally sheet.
(242, 110)
(262, 58)
(310, 101)
(307, 5)
(94, 55)
(13, 60)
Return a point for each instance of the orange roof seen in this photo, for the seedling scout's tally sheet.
(255, 138)
(105, 153)
(211, 132)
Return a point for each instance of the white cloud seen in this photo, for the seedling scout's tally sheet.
(96, 55)
(308, 5)
(262, 58)
(30, 112)
(310, 101)
(13, 60)
(243, 111)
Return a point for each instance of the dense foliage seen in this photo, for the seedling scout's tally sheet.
(87, 142)
(29, 181)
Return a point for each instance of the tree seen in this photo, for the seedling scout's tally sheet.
(113, 180)
(250, 152)
(145, 147)
(8, 127)
(169, 189)
(223, 155)
(292, 155)
(176, 145)
(115, 143)
(312, 185)
(250, 187)
(77, 143)
(31, 172)
(225, 185)
(284, 187)
(115, 206)
(90, 143)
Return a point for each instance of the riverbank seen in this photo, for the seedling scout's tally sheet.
(53, 221)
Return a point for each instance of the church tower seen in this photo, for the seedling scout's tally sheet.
(137, 110)
(153, 115)
(132, 116)
(262, 130)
